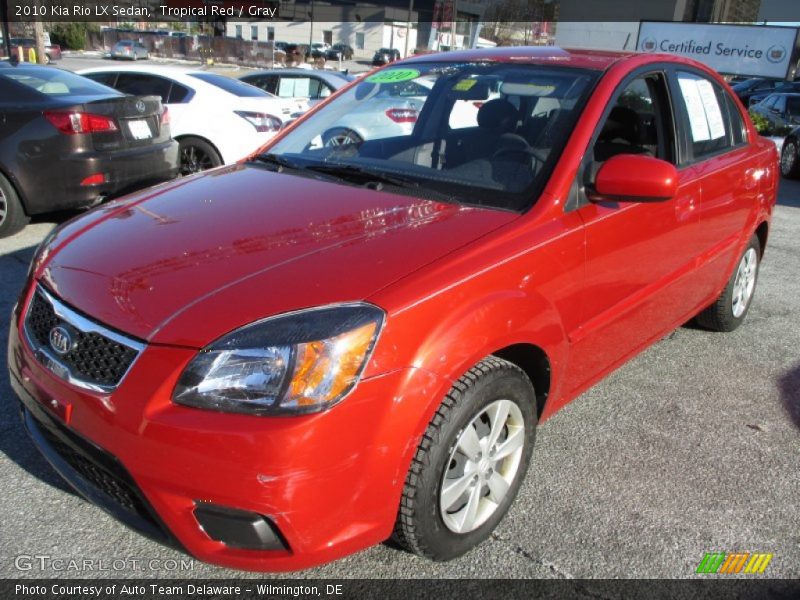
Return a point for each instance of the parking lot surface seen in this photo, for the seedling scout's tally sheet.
(692, 447)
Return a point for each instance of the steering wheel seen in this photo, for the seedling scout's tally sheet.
(531, 155)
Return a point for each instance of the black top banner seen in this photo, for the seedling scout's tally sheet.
(516, 11)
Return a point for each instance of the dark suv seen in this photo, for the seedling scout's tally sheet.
(385, 55)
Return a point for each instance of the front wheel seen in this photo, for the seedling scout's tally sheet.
(733, 304)
(790, 162)
(470, 463)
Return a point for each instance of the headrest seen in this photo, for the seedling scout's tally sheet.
(622, 123)
(498, 114)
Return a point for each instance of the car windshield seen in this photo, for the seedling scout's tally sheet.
(477, 133)
(232, 86)
(55, 82)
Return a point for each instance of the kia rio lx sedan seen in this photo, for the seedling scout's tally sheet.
(283, 361)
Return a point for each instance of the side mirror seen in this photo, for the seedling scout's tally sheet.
(635, 178)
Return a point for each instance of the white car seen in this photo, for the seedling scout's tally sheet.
(215, 119)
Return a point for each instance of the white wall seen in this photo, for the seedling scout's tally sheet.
(299, 32)
(601, 36)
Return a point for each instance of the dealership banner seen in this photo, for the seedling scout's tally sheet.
(760, 51)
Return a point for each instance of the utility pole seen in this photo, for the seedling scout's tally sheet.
(311, 29)
(6, 40)
(408, 25)
(453, 26)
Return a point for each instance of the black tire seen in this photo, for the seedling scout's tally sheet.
(723, 314)
(341, 136)
(790, 161)
(197, 155)
(12, 213)
(420, 525)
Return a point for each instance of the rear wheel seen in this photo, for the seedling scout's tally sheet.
(341, 136)
(12, 214)
(470, 463)
(730, 309)
(197, 155)
(790, 163)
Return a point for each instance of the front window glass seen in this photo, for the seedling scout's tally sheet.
(476, 133)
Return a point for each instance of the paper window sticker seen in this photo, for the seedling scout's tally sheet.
(716, 126)
(694, 107)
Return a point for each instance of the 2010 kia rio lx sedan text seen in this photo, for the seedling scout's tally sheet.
(276, 363)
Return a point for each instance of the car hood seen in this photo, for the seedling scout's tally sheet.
(188, 261)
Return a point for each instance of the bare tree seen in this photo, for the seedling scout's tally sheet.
(38, 36)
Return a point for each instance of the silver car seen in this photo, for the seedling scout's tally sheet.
(130, 49)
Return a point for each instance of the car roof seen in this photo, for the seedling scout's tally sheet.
(317, 72)
(553, 55)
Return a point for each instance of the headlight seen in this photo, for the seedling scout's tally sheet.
(290, 364)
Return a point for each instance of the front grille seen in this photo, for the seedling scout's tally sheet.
(93, 358)
(100, 477)
(95, 473)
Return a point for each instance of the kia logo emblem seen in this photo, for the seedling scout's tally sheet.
(140, 106)
(60, 340)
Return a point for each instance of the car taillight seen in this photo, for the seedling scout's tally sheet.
(78, 122)
(165, 116)
(261, 121)
(403, 115)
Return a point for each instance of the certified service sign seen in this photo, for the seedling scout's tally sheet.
(756, 50)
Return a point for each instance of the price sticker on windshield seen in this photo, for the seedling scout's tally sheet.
(393, 76)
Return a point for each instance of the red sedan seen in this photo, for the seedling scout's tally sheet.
(280, 362)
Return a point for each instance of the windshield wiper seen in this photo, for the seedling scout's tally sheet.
(353, 172)
(278, 161)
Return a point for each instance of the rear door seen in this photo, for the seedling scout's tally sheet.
(719, 157)
(639, 256)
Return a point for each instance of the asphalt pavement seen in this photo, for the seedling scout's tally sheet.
(691, 447)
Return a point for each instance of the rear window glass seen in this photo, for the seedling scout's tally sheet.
(55, 82)
(232, 86)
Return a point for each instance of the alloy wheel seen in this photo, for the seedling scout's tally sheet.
(3, 207)
(745, 282)
(482, 466)
(788, 158)
(194, 160)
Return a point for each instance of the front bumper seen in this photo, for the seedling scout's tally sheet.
(330, 483)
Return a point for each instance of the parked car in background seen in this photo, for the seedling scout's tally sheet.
(319, 50)
(395, 109)
(385, 55)
(754, 85)
(296, 53)
(52, 51)
(340, 52)
(790, 155)
(782, 111)
(782, 87)
(215, 119)
(329, 346)
(304, 86)
(68, 142)
(130, 50)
